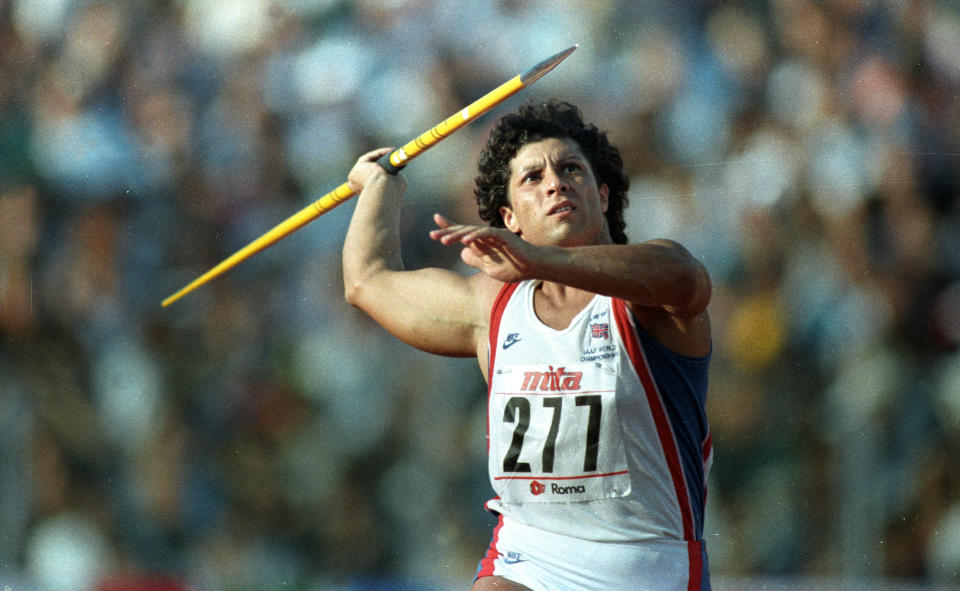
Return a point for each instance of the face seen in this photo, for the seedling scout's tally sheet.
(554, 197)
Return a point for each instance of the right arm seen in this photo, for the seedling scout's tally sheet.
(432, 309)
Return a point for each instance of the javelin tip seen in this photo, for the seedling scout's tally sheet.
(539, 70)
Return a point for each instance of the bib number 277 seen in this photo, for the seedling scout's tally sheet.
(518, 411)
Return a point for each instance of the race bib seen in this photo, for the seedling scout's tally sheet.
(555, 434)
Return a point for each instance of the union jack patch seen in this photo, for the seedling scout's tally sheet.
(600, 331)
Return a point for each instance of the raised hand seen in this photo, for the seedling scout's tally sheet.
(365, 168)
(497, 252)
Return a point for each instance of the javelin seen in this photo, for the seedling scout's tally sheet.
(393, 162)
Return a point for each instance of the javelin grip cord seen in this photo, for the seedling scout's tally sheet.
(387, 165)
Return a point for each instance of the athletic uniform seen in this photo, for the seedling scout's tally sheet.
(599, 451)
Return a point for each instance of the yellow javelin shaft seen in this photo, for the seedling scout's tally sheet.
(394, 161)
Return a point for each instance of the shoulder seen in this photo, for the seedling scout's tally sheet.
(683, 326)
(485, 290)
(690, 284)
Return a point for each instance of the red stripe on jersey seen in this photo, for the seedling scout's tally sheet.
(486, 563)
(695, 560)
(496, 315)
(664, 430)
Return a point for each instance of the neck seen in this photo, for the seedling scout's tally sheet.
(556, 304)
(558, 292)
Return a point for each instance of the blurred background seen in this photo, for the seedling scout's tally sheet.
(261, 434)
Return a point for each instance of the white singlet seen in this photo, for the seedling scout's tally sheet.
(597, 434)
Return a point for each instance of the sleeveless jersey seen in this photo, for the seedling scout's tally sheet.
(595, 431)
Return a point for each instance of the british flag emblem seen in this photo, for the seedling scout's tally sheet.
(600, 331)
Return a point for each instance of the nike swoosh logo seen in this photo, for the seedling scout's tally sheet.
(512, 339)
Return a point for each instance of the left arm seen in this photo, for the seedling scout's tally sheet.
(655, 274)
(665, 286)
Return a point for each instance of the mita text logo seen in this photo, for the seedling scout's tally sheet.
(553, 380)
(538, 488)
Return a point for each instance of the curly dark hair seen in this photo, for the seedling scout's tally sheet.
(534, 122)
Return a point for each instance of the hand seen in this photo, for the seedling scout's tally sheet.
(366, 168)
(497, 252)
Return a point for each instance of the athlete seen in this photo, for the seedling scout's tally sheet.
(595, 352)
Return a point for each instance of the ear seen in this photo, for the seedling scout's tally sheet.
(604, 197)
(509, 220)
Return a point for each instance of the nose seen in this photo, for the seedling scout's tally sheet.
(554, 181)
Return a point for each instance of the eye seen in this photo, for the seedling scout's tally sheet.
(571, 167)
(530, 177)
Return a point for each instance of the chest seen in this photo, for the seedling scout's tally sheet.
(530, 333)
(558, 313)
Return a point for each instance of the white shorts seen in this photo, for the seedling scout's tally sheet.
(545, 561)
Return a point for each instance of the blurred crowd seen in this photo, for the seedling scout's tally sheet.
(261, 434)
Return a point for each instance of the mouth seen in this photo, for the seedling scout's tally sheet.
(561, 208)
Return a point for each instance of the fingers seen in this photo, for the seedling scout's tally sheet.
(374, 155)
(441, 221)
(472, 258)
(447, 227)
(494, 251)
(365, 166)
(450, 232)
